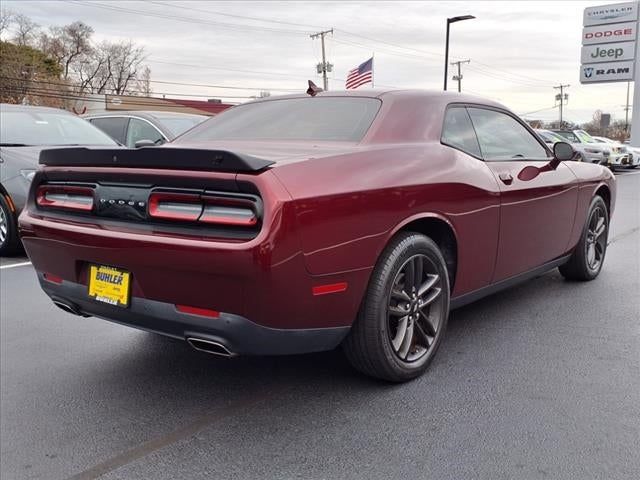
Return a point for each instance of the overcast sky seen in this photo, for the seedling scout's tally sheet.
(518, 49)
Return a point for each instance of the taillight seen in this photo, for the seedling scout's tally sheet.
(221, 209)
(175, 206)
(229, 211)
(65, 196)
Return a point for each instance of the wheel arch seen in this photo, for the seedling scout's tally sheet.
(439, 229)
(604, 192)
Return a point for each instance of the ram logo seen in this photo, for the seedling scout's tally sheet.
(588, 72)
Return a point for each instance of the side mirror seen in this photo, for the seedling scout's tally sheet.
(145, 143)
(563, 151)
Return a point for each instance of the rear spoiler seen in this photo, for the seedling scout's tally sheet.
(154, 157)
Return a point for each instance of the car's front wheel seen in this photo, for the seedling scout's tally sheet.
(404, 314)
(587, 258)
(9, 241)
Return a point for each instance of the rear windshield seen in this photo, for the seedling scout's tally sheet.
(180, 124)
(345, 119)
(44, 127)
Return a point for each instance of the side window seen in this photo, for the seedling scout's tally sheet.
(141, 130)
(502, 137)
(457, 131)
(112, 126)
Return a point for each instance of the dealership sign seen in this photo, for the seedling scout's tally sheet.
(616, 13)
(618, 32)
(608, 52)
(609, 37)
(606, 72)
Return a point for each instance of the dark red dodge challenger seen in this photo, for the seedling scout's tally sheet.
(297, 224)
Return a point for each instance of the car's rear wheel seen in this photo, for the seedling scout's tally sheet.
(9, 241)
(404, 314)
(587, 258)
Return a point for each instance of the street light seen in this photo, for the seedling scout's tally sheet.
(446, 50)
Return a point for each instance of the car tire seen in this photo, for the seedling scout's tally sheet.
(403, 316)
(588, 257)
(9, 241)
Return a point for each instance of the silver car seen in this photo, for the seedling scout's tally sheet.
(24, 132)
(584, 152)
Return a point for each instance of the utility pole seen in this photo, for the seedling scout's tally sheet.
(627, 107)
(458, 77)
(323, 67)
(563, 98)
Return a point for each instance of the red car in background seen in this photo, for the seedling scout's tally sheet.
(296, 224)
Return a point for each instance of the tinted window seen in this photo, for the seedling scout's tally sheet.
(458, 132)
(314, 118)
(141, 130)
(33, 127)
(112, 126)
(502, 137)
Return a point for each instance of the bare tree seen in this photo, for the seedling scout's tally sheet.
(68, 44)
(26, 30)
(144, 82)
(6, 19)
(124, 61)
(113, 68)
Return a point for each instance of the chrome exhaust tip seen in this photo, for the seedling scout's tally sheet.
(67, 307)
(209, 346)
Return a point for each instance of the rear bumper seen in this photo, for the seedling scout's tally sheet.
(239, 335)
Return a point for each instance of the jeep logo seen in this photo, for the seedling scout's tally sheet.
(607, 53)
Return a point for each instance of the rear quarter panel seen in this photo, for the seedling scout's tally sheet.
(591, 178)
(348, 207)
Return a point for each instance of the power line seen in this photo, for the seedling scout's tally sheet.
(231, 26)
(266, 20)
(65, 96)
(536, 111)
(45, 84)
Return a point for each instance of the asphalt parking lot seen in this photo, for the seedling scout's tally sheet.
(540, 381)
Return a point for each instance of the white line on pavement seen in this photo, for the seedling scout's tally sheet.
(12, 265)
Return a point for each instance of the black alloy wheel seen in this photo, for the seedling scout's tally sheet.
(403, 316)
(415, 308)
(587, 258)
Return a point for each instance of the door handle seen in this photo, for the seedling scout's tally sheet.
(506, 178)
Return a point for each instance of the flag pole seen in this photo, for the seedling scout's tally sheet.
(373, 73)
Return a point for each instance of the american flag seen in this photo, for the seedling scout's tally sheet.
(360, 75)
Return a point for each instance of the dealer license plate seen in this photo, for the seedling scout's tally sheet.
(109, 285)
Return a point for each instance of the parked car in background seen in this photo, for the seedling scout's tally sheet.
(584, 152)
(620, 156)
(296, 224)
(634, 154)
(129, 128)
(24, 132)
(612, 153)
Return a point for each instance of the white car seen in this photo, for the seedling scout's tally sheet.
(634, 155)
(620, 155)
